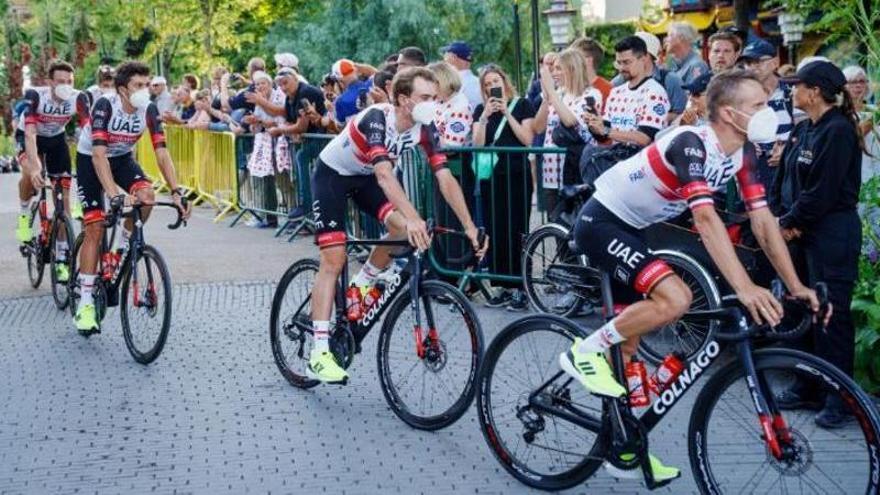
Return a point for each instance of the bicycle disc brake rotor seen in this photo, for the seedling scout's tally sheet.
(435, 355)
(797, 455)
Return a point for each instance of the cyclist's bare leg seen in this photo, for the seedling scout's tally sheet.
(147, 196)
(25, 187)
(380, 256)
(88, 253)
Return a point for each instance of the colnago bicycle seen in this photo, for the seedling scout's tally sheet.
(550, 433)
(430, 344)
(43, 248)
(140, 280)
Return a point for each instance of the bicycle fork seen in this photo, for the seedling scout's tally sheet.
(774, 429)
(418, 330)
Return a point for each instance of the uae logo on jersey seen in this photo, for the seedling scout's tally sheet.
(659, 109)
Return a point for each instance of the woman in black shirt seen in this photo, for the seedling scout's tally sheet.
(506, 195)
(825, 164)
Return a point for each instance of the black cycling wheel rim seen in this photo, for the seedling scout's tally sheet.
(827, 461)
(537, 286)
(489, 419)
(35, 257)
(146, 309)
(287, 326)
(457, 352)
(59, 289)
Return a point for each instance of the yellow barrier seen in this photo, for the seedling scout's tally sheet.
(204, 163)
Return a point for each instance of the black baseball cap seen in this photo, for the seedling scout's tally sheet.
(758, 50)
(821, 74)
(699, 84)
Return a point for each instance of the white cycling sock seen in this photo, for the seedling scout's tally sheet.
(86, 284)
(366, 276)
(602, 339)
(61, 250)
(322, 336)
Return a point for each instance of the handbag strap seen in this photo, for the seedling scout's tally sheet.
(504, 119)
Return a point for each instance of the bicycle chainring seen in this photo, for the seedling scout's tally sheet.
(343, 346)
(620, 452)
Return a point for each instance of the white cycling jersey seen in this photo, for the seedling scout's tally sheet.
(119, 130)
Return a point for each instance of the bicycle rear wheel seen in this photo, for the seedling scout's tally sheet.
(433, 390)
(687, 338)
(59, 289)
(146, 305)
(545, 255)
(540, 450)
(290, 322)
(726, 440)
(35, 254)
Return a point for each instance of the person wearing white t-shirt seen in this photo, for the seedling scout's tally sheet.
(567, 106)
(635, 111)
(458, 54)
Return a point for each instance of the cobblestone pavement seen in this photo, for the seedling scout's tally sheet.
(213, 415)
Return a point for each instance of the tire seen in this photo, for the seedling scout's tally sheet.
(546, 246)
(460, 337)
(686, 338)
(853, 467)
(138, 303)
(59, 289)
(295, 327)
(499, 407)
(36, 260)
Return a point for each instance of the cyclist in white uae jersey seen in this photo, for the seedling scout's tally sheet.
(679, 171)
(40, 136)
(104, 163)
(359, 164)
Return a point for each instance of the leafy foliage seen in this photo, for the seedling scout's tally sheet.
(608, 35)
(866, 299)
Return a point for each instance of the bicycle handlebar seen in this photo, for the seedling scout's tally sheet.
(739, 316)
(117, 203)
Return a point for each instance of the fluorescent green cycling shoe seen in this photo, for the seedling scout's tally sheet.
(76, 210)
(62, 273)
(323, 367)
(86, 319)
(592, 370)
(661, 473)
(23, 232)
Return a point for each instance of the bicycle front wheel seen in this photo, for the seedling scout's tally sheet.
(35, 254)
(428, 374)
(146, 305)
(59, 288)
(540, 450)
(726, 443)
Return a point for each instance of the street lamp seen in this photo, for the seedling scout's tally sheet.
(792, 26)
(559, 18)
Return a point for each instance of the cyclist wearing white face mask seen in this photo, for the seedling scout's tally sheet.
(40, 134)
(359, 163)
(679, 171)
(105, 163)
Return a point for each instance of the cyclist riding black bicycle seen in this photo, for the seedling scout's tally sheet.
(40, 133)
(679, 171)
(104, 159)
(359, 163)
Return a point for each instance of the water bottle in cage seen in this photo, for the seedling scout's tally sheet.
(667, 372)
(637, 383)
(353, 308)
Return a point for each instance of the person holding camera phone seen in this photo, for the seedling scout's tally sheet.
(503, 179)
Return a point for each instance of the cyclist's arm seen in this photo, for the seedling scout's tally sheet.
(30, 147)
(157, 136)
(394, 191)
(717, 242)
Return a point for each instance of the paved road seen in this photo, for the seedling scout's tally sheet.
(212, 414)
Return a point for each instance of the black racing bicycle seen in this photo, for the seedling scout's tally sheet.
(550, 433)
(430, 345)
(138, 281)
(43, 248)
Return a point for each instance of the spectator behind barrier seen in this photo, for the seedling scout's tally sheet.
(160, 95)
(411, 56)
(459, 55)
(454, 118)
(859, 87)
(635, 111)
(724, 48)
(184, 108)
(191, 81)
(238, 105)
(380, 92)
(682, 58)
(353, 78)
(695, 113)
(567, 106)
(670, 81)
(503, 196)
(594, 54)
(201, 119)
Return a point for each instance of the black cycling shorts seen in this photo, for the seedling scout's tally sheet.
(618, 249)
(126, 173)
(53, 150)
(331, 191)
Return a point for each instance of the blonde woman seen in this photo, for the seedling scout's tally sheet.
(454, 118)
(568, 106)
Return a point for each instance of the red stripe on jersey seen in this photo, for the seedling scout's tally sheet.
(650, 275)
(384, 211)
(696, 188)
(360, 142)
(104, 135)
(661, 170)
(157, 139)
(328, 239)
(376, 151)
(31, 119)
(437, 161)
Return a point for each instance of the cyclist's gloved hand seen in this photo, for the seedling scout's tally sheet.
(762, 306)
(417, 234)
